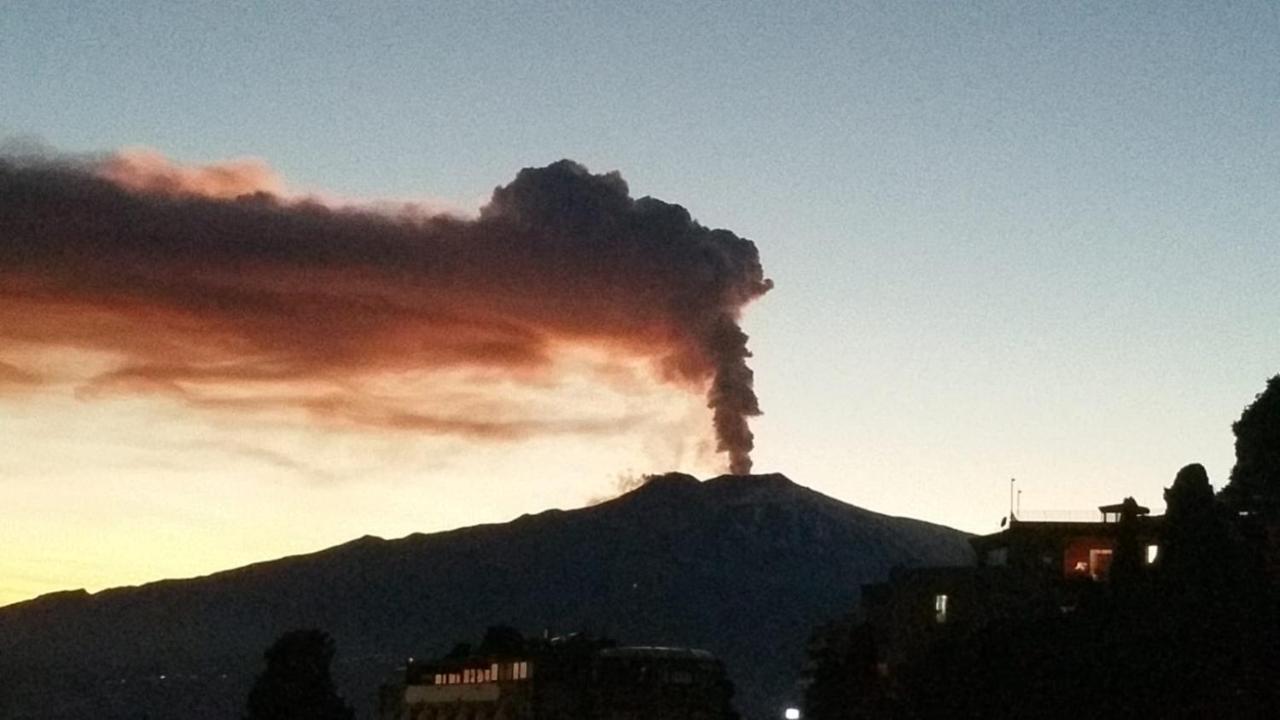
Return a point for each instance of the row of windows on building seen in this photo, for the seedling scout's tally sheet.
(497, 672)
(1096, 567)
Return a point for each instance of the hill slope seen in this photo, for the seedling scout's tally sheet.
(742, 566)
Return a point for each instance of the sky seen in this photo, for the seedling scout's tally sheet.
(1006, 240)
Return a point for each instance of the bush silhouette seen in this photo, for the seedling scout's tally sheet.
(296, 684)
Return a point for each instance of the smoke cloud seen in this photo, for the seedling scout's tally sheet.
(210, 285)
(11, 375)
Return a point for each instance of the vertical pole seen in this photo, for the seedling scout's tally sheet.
(1011, 507)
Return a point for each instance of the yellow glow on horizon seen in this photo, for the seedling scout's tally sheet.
(124, 489)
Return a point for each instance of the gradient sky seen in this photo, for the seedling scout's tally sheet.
(1008, 240)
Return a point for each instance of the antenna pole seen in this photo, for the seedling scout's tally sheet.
(1011, 505)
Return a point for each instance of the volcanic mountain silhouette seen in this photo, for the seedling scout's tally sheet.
(744, 566)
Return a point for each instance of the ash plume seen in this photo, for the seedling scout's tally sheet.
(213, 286)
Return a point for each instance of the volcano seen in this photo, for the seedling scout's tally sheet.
(743, 566)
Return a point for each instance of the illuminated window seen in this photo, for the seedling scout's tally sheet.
(493, 671)
(1099, 563)
(940, 608)
(1153, 551)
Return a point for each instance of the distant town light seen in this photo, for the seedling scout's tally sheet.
(791, 714)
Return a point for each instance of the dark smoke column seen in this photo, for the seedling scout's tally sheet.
(652, 257)
(732, 396)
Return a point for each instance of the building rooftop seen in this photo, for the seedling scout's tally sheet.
(657, 652)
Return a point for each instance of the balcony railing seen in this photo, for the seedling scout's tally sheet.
(1058, 516)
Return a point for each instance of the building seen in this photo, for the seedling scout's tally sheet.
(1032, 568)
(1072, 550)
(564, 679)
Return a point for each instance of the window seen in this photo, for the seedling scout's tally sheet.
(940, 608)
(1153, 551)
(1099, 563)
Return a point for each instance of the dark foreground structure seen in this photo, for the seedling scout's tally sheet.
(1126, 616)
(561, 679)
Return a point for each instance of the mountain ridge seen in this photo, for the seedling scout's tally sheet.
(661, 479)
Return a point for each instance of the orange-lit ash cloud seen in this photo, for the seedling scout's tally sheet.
(206, 285)
(13, 376)
(147, 171)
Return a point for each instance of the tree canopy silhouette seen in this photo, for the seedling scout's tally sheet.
(296, 684)
(844, 682)
(1255, 479)
(501, 640)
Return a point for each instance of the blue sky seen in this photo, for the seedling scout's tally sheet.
(1009, 239)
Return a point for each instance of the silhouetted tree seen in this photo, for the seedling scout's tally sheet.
(1199, 553)
(460, 651)
(1255, 479)
(1214, 619)
(844, 677)
(1128, 566)
(296, 684)
(501, 640)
